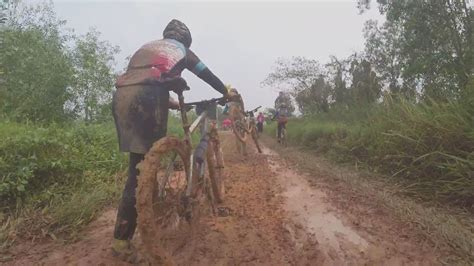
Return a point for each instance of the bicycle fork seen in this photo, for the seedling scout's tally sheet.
(196, 159)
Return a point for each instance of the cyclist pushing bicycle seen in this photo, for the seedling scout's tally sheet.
(140, 110)
(281, 114)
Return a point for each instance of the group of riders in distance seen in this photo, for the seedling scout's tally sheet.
(169, 179)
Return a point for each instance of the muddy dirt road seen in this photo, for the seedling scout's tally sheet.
(278, 216)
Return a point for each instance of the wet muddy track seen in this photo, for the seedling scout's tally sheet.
(277, 216)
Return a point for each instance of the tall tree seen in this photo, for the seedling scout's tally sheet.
(35, 63)
(94, 79)
(435, 42)
(314, 99)
(382, 47)
(339, 71)
(299, 74)
(365, 87)
(4, 10)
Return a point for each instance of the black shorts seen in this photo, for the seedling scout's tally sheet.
(141, 116)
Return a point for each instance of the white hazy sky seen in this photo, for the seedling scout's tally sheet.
(239, 41)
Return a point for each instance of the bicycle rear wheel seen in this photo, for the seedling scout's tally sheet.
(238, 123)
(162, 183)
(283, 139)
(215, 162)
(254, 135)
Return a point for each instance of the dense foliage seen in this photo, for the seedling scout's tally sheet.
(58, 149)
(403, 106)
(48, 73)
(35, 158)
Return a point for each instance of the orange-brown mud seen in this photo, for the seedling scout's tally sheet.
(277, 217)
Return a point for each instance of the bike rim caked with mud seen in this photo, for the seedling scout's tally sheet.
(240, 130)
(216, 171)
(162, 216)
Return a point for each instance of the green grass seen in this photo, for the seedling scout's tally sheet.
(427, 147)
(55, 179)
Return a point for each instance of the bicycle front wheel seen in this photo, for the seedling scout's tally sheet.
(160, 192)
(283, 137)
(215, 162)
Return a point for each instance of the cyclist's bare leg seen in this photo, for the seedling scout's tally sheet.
(280, 126)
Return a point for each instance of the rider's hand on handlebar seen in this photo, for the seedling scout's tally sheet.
(188, 108)
(225, 99)
(173, 104)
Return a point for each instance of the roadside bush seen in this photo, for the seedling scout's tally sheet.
(35, 158)
(56, 178)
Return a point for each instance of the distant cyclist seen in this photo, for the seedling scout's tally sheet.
(260, 121)
(236, 102)
(282, 111)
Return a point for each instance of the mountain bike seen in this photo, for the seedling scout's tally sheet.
(251, 122)
(177, 181)
(244, 124)
(236, 115)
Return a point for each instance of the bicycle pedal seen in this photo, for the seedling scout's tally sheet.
(224, 211)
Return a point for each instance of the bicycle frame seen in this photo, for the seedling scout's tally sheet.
(202, 120)
(250, 118)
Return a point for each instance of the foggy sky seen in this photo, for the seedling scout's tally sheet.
(238, 41)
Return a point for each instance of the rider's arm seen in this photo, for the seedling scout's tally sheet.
(195, 65)
(275, 115)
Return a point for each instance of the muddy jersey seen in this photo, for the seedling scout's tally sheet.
(164, 59)
(281, 106)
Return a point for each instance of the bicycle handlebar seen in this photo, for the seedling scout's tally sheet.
(213, 100)
(252, 111)
(255, 110)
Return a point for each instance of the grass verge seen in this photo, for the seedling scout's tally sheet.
(427, 147)
(446, 229)
(55, 179)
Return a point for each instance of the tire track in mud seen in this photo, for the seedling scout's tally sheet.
(308, 207)
(257, 231)
(276, 218)
(350, 229)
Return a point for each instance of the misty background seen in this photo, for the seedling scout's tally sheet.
(238, 41)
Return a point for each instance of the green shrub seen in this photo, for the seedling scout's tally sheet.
(56, 178)
(34, 158)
